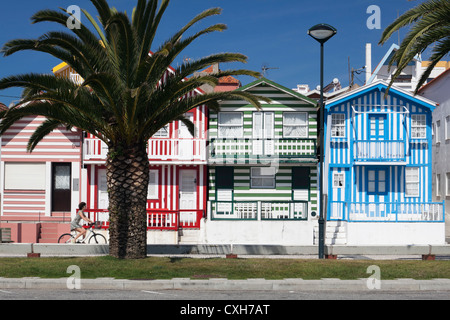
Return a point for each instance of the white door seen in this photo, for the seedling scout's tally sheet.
(103, 200)
(188, 195)
(263, 133)
(186, 142)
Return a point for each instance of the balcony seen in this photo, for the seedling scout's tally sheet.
(386, 212)
(259, 210)
(177, 150)
(249, 150)
(379, 150)
(157, 219)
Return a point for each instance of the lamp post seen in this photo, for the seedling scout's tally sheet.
(322, 33)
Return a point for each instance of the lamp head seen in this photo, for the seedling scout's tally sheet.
(322, 32)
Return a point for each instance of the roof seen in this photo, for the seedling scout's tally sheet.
(435, 80)
(264, 81)
(380, 85)
(222, 80)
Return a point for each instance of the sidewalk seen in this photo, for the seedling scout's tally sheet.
(229, 285)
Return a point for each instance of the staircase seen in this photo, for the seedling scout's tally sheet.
(188, 236)
(336, 233)
(49, 233)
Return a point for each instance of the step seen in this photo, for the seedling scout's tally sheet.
(189, 236)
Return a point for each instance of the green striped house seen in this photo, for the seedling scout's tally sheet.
(263, 163)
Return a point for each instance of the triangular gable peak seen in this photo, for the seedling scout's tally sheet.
(374, 96)
(385, 61)
(279, 94)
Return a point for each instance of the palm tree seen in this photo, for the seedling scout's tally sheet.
(430, 24)
(122, 100)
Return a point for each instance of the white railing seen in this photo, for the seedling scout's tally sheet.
(248, 148)
(387, 212)
(158, 149)
(379, 150)
(259, 210)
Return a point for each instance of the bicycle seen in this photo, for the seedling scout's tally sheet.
(91, 235)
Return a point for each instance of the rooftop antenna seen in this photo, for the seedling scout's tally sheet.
(264, 70)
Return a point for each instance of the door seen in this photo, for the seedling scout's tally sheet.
(186, 142)
(263, 133)
(103, 200)
(188, 195)
(377, 135)
(61, 187)
(377, 184)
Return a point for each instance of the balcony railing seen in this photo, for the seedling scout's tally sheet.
(259, 210)
(379, 150)
(387, 212)
(157, 219)
(158, 149)
(236, 149)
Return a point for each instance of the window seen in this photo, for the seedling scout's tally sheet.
(263, 177)
(153, 184)
(437, 133)
(418, 126)
(447, 128)
(438, 185)
(338, 125)
(338, 180)
(231, 125)
(447, 184)
(162, 133)
(25, 176)
(295, 124)
(412, 182)
(376, 180)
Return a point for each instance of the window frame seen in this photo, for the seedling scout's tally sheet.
(240, 125)
(339, 127)
(417, 182)
(254, 177)
(305, 125)
(416, 124)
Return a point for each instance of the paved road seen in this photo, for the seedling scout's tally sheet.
(221, 297)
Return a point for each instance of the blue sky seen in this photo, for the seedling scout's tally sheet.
(270, 32)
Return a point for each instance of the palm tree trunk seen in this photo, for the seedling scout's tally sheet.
(127, 173)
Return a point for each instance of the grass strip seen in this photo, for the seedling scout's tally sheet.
(199, 268)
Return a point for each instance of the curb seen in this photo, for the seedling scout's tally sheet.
(221, 284)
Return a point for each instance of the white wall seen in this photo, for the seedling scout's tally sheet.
(395, 233)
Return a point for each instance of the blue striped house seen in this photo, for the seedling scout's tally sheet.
(378, 168)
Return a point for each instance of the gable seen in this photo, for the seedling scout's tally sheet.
(374, 95)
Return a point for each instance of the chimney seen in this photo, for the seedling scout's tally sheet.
(368, 61)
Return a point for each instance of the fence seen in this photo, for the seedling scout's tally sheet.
(387, 212)
(259, 210)
(157, 219)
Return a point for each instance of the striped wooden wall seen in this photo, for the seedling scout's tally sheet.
(340, 152)
(59, 146)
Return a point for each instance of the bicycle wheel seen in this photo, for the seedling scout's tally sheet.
(65, 238)
(97, 238)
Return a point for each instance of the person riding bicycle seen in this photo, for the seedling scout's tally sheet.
(76, 225)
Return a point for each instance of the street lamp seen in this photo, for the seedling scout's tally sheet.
(322, 33)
